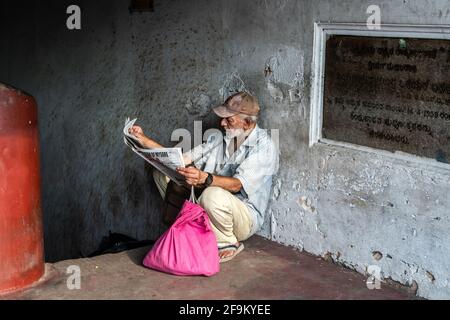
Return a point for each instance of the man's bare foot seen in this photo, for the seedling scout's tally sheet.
(228, 253)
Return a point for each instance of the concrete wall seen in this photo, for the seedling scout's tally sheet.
(168, 68)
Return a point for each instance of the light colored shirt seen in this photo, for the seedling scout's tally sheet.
(253, 163)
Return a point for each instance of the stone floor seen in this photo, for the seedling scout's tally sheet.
(264, 270)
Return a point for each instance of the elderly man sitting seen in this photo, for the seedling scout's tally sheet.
(236, 172)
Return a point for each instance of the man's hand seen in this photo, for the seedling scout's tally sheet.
(142, 138)
(194, 176)
(138, 133)
(136, 130)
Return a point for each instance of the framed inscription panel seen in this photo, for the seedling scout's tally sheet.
(388, 93)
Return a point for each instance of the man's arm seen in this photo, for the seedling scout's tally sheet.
(228, 183)
(197, 178)
(146, 142)
(149, 143)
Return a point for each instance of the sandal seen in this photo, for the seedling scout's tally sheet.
(231, 247)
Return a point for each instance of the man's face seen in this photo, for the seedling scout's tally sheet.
(233, 126)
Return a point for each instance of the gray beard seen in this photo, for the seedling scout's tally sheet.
(234, 133)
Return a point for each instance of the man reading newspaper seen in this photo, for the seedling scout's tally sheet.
(235, 171)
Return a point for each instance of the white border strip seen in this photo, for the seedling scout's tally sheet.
(321, 33)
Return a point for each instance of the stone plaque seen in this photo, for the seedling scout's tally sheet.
(389, 93)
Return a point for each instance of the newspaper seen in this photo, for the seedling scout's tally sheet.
(165, 160)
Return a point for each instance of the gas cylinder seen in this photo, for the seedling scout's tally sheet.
(21, 235)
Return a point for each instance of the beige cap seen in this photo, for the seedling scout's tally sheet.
(241, 102)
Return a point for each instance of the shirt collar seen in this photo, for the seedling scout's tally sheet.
(251, 139)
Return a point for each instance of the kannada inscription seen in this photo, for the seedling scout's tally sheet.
(389, 93)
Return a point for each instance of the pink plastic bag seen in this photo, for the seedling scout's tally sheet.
(189, 247)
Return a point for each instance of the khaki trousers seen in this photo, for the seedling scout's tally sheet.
(230, 217)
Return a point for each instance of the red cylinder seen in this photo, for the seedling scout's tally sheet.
(21, 236)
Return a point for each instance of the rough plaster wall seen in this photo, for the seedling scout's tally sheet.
(168, 68)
